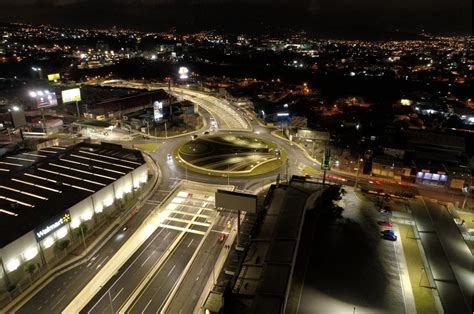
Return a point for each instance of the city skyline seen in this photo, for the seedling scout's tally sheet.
(366, 19)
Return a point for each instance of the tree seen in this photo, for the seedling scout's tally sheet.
(63, 244)
(30, 268)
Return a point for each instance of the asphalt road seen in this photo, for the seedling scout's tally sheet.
(448, 255)
(53, 298)
(194, 282)
(153, 297)
(128, 278)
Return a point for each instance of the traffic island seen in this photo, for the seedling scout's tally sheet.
(230, 155)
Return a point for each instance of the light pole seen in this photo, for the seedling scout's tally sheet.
(39, 95)
(83, 238)
(358, 170)
(39, 70)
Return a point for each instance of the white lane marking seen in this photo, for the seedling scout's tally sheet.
(190, 242)
(117, 294)
(102, 262)
(171, 270)
(167, 235)
(125, 271)
(57, 303)
(146, 306)
(146, 260)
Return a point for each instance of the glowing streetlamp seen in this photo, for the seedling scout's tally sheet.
(39, 70)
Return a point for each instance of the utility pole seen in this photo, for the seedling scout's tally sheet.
(326, 162)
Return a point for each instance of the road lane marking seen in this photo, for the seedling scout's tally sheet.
(125, 271)
(57, 303)
(171, 270)
(117, 294)
(167, 235)
(146, 306)
(190, 242)
(146, 260)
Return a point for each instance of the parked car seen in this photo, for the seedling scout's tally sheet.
(389, 236)
(205, 132)
(385, 223)
(388, 231)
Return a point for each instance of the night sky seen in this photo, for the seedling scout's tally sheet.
(325, 17)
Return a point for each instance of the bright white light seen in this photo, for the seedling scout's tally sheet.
(30, 253)
(352, 74)
(40, 93)
(108, 201)
(285, 106)
(48, 242)
(16, 108)
(75, 223)
(99, 208)
(13, 264)
(61, 233)
(87, 215)
(283, 114)
(119, 194)
(33, 94)
(148, 229)
(143, 178)
(153, 57)
(128, 188)
(183, 73)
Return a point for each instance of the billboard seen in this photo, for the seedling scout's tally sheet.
(46, 99)
(228, 200)
(158, 111)
(54, 77)
(71, 95)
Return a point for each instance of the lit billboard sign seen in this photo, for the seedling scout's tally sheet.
(54, 77)
(158, 110)
(71, 95)
(52, 226)
(46, 99)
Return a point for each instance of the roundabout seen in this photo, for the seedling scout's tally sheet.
(230, 154)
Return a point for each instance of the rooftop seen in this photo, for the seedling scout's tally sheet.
(36, 186)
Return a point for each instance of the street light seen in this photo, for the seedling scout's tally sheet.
(35, 95)
(358, 170)
(39, 70)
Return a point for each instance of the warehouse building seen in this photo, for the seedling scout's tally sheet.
(46, 194)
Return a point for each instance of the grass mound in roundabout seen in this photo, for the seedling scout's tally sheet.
(236, 155)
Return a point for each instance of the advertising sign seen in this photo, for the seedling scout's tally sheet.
(228, 200)
(54, 77)
(71, 95)
(46, 99)
(53, 225)
(158, 111)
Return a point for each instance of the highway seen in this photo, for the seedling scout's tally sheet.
(152, 294)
